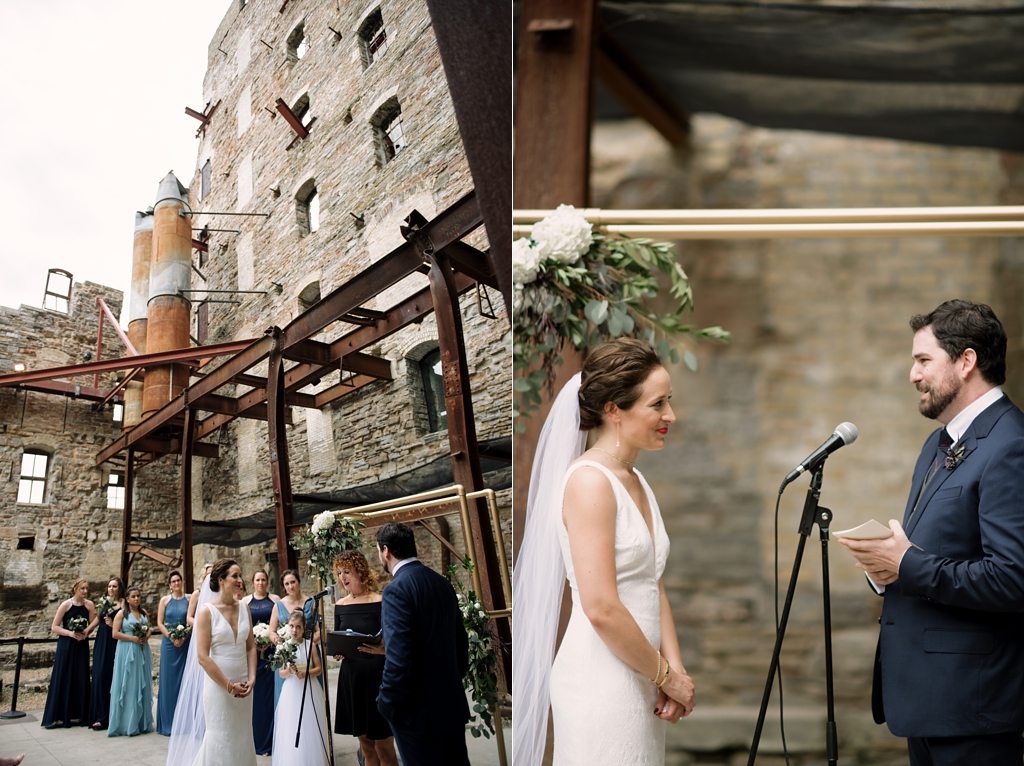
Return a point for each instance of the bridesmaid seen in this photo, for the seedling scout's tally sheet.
(261, 607)
(103, 657)
(67, 701)
(359, 678)
(293, 599)
(131, 698)
(171, 613)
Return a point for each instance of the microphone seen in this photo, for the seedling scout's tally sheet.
(845, 433)
(329, 590)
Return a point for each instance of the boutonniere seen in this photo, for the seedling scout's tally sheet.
(955, 457)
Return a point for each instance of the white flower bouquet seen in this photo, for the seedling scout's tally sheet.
(140, 629)
(78, 624)
(176, 632)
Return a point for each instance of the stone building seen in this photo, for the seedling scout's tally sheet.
(334, 124)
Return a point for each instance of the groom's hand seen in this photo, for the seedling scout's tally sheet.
(880, 559)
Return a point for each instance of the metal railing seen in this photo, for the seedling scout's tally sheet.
(21, 641)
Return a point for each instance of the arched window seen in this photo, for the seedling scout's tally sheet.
(32, 481)
(433, 390)
(310, 296)
(307, 208)
(296, 43)
(388, 132)
(373, 39)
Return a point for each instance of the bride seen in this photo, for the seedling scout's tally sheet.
(618, 675)
(213, 719)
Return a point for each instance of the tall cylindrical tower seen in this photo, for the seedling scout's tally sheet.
(142, 256)
(167, 326)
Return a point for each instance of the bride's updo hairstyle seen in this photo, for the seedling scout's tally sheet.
(614, 372)
(219, 572)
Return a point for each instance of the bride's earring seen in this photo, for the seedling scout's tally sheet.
(616, 434)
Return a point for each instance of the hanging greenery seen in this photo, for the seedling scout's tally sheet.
(573, 286)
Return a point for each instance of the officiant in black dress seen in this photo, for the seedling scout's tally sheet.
(359, 677)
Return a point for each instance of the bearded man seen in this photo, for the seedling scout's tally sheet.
(949, 668)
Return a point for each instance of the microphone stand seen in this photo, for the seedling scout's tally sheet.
(812, 514)
(317, 602)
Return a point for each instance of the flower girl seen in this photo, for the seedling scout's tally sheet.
(311, 750)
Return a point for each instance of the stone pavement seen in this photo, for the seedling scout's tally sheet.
(80, 746)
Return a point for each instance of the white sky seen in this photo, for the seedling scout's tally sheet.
(92, 116)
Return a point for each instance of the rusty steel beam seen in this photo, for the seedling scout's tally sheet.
(462, 442)
(280, 473)
(291, 119)
(448, 226)
(317, 353)
(226, 405)
(159, 447)
(196, 356)
(472, 263)
(554, 103)
(187, 448)
(59, 387)
(251, 356)
(126, 516)
(345, 387)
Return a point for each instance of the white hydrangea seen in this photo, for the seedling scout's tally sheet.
(564, 235)
(525, 261)
(323, 521)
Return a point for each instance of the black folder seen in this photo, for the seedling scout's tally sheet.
(347, 643)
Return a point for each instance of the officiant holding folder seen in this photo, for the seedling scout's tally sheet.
(949, 668)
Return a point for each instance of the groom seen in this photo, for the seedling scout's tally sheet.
(951, 644)
(427, 653)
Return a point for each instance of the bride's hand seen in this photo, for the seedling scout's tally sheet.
(242, 689)
(678, 688)
(668, 709)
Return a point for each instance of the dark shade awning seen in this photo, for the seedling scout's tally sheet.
(952, 75)
(259, 527)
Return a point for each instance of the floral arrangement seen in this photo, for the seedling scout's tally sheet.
(577, 287)
(286, 651)
(176, 632)
(78, 624)
(261, 634)
(955, 457)
(481, 679)
(106, 605)
(324, 539)
(140, 629)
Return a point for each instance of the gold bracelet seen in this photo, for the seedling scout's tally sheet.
(229, 687)
(658, 674)
(667, 669)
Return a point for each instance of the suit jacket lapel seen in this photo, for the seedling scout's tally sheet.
(979, 429)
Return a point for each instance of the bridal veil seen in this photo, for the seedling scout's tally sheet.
(189, 724)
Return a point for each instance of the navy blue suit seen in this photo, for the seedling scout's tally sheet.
(427, 653)
(950, 659)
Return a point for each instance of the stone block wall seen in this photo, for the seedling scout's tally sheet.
(45, 547)
(820, 336)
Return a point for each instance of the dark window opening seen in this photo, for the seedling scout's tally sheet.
(433, 390)
(373, 38)
(389, 132)
(310, 296)
(26, 543)
(297, 46)
(205, 182)
(301, 109)
(307, 208)
(32, 481)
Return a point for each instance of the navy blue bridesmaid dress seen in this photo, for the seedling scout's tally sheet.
(172, 665)
(263, 693)
(103, 670)
(67, 701)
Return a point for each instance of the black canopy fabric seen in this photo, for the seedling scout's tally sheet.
(951, 75)
(259, 527)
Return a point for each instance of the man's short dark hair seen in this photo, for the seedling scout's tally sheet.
(960, 325)
(397, 538)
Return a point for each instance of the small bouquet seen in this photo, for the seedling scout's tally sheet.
(140, 629)
(284, 654)
(78, 624)
(261, 634)
(105, 605)
(176, 632)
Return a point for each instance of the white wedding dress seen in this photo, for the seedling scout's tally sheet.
(603, 709)
(310, 751)
(228, 740)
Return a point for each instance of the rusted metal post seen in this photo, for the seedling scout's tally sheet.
(187, 433)
(126, 524)
(280, 473)
(462, 441)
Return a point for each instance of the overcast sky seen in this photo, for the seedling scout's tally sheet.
(92, 116)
